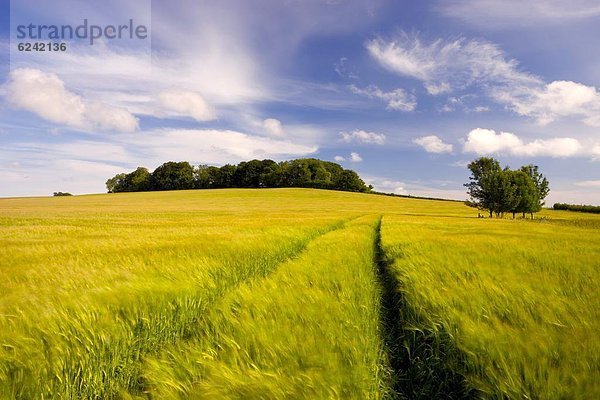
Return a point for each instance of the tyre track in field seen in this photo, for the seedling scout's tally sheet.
(419, 359)
(200, 322)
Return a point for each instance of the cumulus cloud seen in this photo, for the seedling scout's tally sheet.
(274, 128)
(360, 136)
(396, 99)
(45, 94)
(433, 144)
(447, 65)
(186, 103)
(355, 157)
(546, 103)
(339, 159)
(486, 141)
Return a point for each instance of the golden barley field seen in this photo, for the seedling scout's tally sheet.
(294, 294)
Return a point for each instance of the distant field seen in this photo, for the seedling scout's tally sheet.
(294, 293)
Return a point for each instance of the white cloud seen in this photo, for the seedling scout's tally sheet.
(427, 189)
(355, 157)
(341, 68)
(433, 144)
(446, 65)
(186, 103)
(555, 147)
(274, 128)
(213, 146)
(486, 141)
(396, 99)
(503, 13)
(228, 53)
(596, 152)
(460, 164)
(45, 94)
(590, 184)
(465, 103)
(546, 103)
(360, 136)
(387, 185)
(39, 168)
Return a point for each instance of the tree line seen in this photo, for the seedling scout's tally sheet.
(500, 190)
(306, 172)
(577, 207)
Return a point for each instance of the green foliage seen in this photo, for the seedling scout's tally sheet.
(173, 176)
(116, 183)
(541, 183)
(577, 207)
(526, 193)
(479, 188)
(59, 194)
(306, 172)
(503, 190)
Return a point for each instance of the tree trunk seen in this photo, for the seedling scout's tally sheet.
(514, 215)
(523, 214)
(531, 215)
(491, 216)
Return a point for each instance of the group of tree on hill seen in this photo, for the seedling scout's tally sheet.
(307, 173)
(577, 207)
(500, 191)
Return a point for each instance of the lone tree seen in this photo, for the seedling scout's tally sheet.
(498, 190)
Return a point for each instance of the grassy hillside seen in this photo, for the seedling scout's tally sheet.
(293, 293)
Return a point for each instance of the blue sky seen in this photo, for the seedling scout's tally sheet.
(404, 92)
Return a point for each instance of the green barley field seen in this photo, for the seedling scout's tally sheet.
(294, 294)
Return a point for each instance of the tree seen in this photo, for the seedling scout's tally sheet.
(271, 175)
(173, 176)
(307, 172)
(502, 190)
(483, 179)
(61, 194)
(248, 174)
(201, 177)
(350, 181)
(541, 184)
(296, 173)
(138, 180)
(526, 193)
(115, 184)
(503, 194)
(225, 177)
